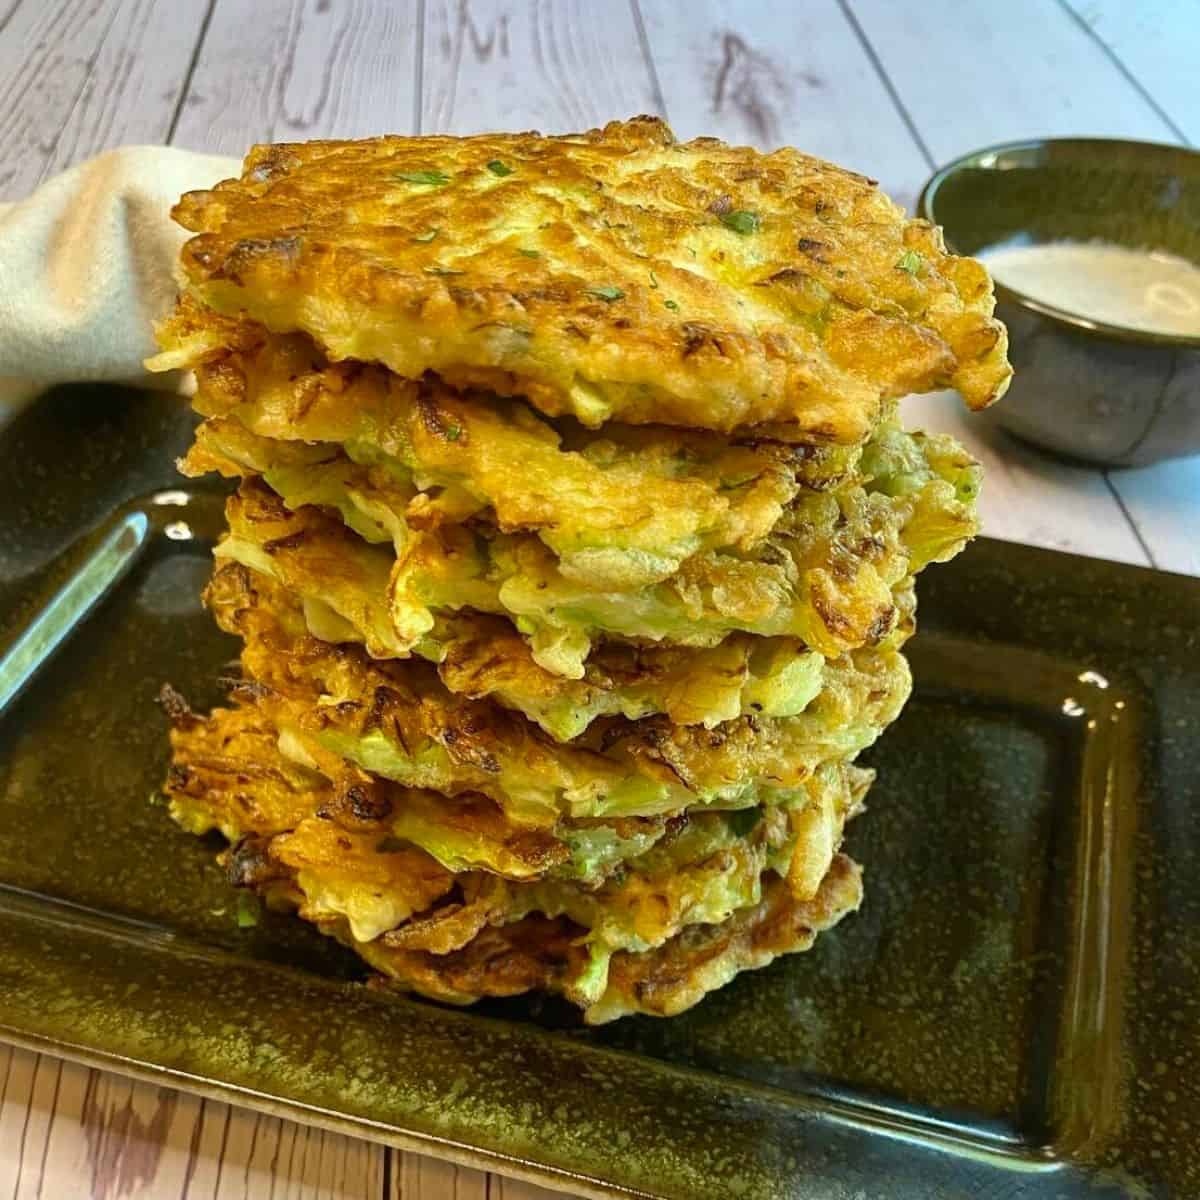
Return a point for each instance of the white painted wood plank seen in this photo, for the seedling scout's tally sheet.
(553, 65)
(1164, 502)
(110, 1137)
(1159, 44)
(79, 76)
(971, 74)
(266, 1156)
(514, 1189)
(290, 70)
(1027, 495)
(780, 73)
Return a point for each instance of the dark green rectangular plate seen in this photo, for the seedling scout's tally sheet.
(1013, 1013)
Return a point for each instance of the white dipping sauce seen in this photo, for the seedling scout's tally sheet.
(1140, 289)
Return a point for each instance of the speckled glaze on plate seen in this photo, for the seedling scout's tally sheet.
(1013, 1013)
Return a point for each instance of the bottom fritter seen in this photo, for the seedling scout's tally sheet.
(684, 903)
(539, 953)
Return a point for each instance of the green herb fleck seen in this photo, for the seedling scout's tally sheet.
(427, 236)
(453, 433)
(911, 262)
(441, 271)
(743, 822)
(653, 280)
(390, 845)
(498, 168)
(741, 221)
(532, 253)
(671, 305)
(607, 293)
(428, 178)
(248, 910)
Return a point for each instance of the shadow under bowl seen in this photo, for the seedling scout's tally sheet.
(1085, 389)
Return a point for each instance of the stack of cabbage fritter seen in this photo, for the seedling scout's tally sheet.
(574, 547)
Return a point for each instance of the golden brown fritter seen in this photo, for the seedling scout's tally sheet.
(825, 578)
(349, 867)
(611, 275)
(546, 954)
(483, 657)
(620, 507)
(281, 386)
(395, 719)
(252, 794)
(227, 773)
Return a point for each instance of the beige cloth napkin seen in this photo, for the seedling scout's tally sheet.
(87, 263)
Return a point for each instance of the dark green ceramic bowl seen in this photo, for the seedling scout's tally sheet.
(1104, 393)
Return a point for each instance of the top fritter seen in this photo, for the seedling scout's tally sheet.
(617, 274)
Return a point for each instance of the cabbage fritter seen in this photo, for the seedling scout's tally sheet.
(357, 872)
(613, 275)
(623, 503)
(228, 774)
(397, 720)
(546, 954)
(483, 657)
(826, 576)
(333, 704)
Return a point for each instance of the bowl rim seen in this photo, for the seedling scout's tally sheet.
(1060, 316)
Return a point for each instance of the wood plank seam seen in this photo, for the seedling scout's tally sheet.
(419, 68)
(191, 71)
(8, 16)
(1119, 63)
(660, 103)
(888, 83)
(74, 105)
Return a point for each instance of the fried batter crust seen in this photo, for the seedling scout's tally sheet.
(613, 275)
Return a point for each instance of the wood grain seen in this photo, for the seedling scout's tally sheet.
(421, 1178)
(779, 73)
(553, 65)
(68, 1132)
(970, 74)
(79, 76)
(289, 70)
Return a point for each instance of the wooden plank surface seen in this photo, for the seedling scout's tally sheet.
(1158, 46)
(886, 88)
(68, 1132)
(780, 73)
(77, 76)
(551, 65)
(290, 70)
